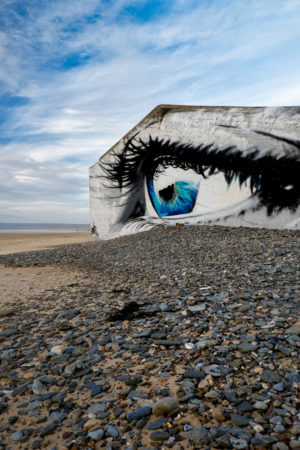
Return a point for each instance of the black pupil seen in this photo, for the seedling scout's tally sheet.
(167, 193)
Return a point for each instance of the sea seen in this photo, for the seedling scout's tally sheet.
(43, 227)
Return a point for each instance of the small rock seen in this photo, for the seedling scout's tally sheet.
(261, 405)
(294, 329)
(194, 374)
(195, 309)
(157, 423)
(239, 420)
(48, 429)
(214, 371)
(57, 416)
(38, 388)
(159, 436)
(139, 412)
(199, 435)
(57, 349)
(238, 443)
(245, 347)
(96, 435)
(269, 376)
(33, 405)
(6, 312)
(97, 408)
(281, 446)
(112, 431)
(91, 423)
(212, 395)
(224, 442)
(189, 345)
(17, 436)
(164, 406)
(37, 444)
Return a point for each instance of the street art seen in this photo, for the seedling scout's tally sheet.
(235, 176)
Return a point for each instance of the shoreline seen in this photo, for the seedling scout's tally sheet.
(17, 242)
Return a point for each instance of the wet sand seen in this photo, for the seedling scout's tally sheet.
(31, 241)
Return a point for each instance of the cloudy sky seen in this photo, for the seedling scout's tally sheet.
(76, 75)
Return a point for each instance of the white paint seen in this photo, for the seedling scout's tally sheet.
(216, 203)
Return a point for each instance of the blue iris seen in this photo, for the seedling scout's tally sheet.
(177, 198)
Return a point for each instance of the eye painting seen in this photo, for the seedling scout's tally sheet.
(171, 195)
(155, 181)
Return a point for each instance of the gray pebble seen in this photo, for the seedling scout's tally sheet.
(199, 435)
(139, 412)
(96, 435)
(17, 436)
(97, 408)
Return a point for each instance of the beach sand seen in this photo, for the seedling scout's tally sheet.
(34, 280)
(94, 336)
(31, 241)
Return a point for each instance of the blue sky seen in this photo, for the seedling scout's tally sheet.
(76, 76)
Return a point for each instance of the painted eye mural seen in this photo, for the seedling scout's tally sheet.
(176, 197)
(151, 180)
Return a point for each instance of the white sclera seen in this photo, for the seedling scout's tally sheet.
(214, 194)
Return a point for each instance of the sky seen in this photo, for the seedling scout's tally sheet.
(75, 76)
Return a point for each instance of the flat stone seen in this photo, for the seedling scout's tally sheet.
(112, 431)
(269, 376)
(265, 439)
(214, 371)
(261, 405)
(159, 436)
(96, 408)
(245, 406)
(57, 349)
(199, 435)
(224, 442)
(17, 436)
(295, 329)
(6, 311)
(48, 429)
(245, 347)
(157, 423)
(211, 395)
(57, 416)
(238, 443)
(239, 420)
(33, 405)
(139, 412)
(194, 374)
(38, 388)
(96, 435)
(9, 332)
(195, 309)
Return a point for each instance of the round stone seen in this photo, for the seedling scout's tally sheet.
(164, 406)
(261, 405)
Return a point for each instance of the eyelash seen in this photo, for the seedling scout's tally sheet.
(269, 177)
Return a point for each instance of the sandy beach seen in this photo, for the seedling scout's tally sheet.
(173, 338)
(30, 241)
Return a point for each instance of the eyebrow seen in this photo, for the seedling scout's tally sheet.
(269, 176)
(293, 142)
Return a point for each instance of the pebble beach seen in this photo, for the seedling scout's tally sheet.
(180, 337)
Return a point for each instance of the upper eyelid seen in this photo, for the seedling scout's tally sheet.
(138, 157)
